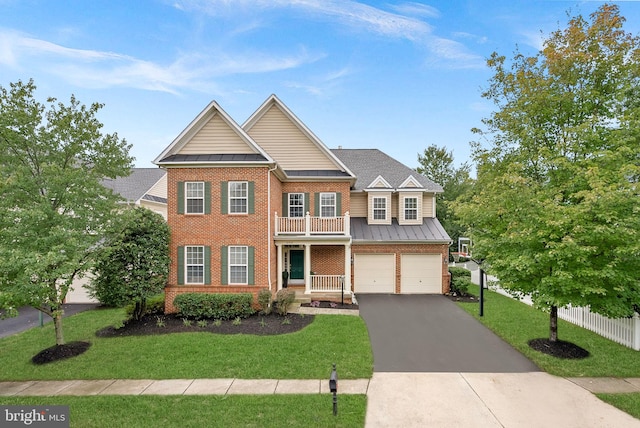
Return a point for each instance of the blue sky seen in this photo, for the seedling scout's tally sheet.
(393, 75)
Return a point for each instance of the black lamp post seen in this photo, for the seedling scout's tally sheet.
(333, 387)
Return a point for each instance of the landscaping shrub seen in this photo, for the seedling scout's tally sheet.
(214, 305)
(285, 298)
(460, 280)
(264, 300)
(154, 305)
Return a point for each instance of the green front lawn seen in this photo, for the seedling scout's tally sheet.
(517, 323)
(629, 403)
(206, 411)
(307, 354)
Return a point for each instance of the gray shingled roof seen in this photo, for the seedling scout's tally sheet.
(368, 164)
(430, 230)
(137, 184)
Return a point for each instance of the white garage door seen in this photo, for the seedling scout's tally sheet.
(79, 294)
(374, 273)
(421, 274)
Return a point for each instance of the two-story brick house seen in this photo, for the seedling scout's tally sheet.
(247, 203)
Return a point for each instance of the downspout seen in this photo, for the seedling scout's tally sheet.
(269, 224)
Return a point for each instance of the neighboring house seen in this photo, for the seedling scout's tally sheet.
(250, 205)
(146, 187)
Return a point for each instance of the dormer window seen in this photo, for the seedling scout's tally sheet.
(410, 208)
(379, 208)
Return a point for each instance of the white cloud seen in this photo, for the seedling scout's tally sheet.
(97, 69)
(355, 15)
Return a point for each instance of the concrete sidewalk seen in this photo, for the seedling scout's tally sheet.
(180, 387)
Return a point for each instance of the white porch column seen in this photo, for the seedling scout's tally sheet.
(279, 266)
(347, 267)
(307, 268)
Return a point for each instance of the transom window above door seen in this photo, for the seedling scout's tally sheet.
(296, 204)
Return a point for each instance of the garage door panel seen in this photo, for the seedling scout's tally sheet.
(421, 274)
(374, 273)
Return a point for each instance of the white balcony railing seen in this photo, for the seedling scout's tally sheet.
(326, 283)
(309, 225)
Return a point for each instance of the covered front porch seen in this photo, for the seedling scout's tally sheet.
(317, 268)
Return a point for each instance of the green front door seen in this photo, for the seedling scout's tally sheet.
(297, 264)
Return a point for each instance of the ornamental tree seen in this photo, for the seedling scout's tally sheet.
(53, 209)
(556, 209)
(133, 265)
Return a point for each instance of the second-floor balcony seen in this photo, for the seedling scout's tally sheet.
(311, 225)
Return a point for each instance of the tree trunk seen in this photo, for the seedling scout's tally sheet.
(553, 324)
(57, 323)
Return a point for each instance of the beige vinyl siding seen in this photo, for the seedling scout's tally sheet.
(427, 205)
(358, 204)
(394, 206)
(216, 137)
(160, 188)
(285, 143)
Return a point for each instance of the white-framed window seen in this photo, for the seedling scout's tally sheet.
(327, 204)
(296, 204)
(379, 208)
(238, 265)
(238, 197)
(194, 264)
(410, 208)
(194, 197)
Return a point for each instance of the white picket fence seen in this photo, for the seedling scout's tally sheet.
(625, 331)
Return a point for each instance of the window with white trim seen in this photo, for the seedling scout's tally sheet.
(410, 208)
(327, 204)
(296, 204)
(379, 208)
(238, 197)
(194, 264)
(194, 197)
(238, 265)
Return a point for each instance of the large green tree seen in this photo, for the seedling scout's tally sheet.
(53, 208)
(437, 164)
(556, 211)
(133, 265)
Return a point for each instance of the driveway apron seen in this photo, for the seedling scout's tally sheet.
(430, 333)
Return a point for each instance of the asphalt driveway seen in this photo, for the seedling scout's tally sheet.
(29, 317)
(430, 333)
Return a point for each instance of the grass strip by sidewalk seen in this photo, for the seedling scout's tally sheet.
(629, 403)
(206, 411)
(306, 354)
(517, 323)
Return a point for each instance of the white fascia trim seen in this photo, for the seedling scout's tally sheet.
(412, 180)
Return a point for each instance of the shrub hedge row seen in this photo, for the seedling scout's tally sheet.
(214, 305)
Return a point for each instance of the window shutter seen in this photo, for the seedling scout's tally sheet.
(251, 199)
(180, 265)
(307, 206)
(338, 204)
(224, 257)
(316, 204)
(207, 197)
(224, 196)
(285, 205)
(207, 265)
(251, 260)
(181, 197)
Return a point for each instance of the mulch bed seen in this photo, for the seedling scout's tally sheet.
(327, 304)
(559, 349)
(60, 352)
(260, 325)
(465, 298)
